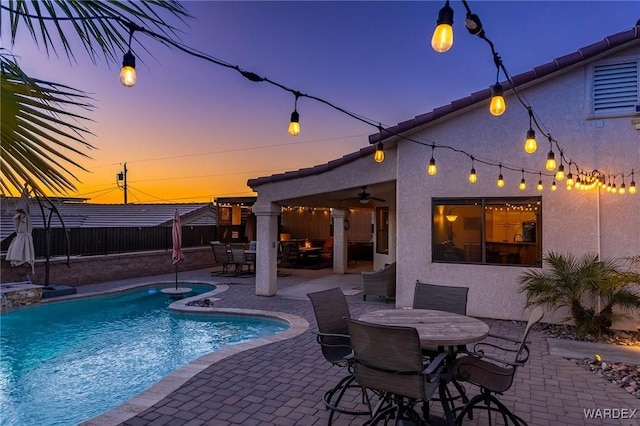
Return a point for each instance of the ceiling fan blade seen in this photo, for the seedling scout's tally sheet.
(377, 199)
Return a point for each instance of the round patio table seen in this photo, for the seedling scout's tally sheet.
(435, 328)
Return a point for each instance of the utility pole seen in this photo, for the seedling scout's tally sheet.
(122, 177)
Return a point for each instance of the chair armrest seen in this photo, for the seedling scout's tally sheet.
(435, 367)
(496, 359)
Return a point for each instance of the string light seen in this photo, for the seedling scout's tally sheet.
(530, 144)
(294, 125)
(473, 178)
(523, 183)
(500, 182)
(560, 171)
(632, 185)
(551, 159)
(497, 106)
(554, 187)
(442, 38)
(432, 169)
(128, 72)
(623, 189)
(378, 157)
(540, 187)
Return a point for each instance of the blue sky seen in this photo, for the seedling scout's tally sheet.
(192, 131)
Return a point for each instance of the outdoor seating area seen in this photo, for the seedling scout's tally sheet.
(285, 382)
(380, 283)
(240, 256)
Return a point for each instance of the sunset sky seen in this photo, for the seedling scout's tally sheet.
(191, 131)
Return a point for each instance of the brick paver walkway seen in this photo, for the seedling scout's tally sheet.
(282, 383)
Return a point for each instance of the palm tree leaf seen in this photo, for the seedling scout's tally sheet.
(33, 134)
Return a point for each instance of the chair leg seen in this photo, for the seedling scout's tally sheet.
(334, 404)
(483, 401)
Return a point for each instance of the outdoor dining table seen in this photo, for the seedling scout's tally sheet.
(444, 330)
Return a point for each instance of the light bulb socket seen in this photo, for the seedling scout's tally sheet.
(531, 134)
(496, 90)
(445, 16)
(129, 60)
(295, 117)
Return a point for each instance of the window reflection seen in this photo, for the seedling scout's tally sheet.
(487, 230)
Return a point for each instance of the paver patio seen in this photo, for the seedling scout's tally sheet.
(282, 383)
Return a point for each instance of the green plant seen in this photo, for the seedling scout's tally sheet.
(593, 290)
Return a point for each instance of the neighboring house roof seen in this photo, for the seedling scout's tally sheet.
(86, 215)
(559, 64)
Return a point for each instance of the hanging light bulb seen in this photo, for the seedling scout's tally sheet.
(530, 144)
(614, 190)
(500, 182)
(539, 186)
(560, 171)
(623, 188)
(578, 184)
(497, 106)
(473, 178)
(609, 185)
(128, 71)
(432, 169)
(523, 183)
(554, 187)
(551, 162)
(632, 185)
(294, 124)
(442, 38)
(378, 157)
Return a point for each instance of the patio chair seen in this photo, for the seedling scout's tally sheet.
(239, 258)
(492, 374)
(380, 283)
(448, 299)
(331, 311)
(221, 256)
(440, 298)
(388, 359)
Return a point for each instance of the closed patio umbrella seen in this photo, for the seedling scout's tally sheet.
(21, 249)
(177, 256)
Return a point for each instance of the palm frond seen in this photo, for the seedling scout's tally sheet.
(40, 136)
(101, 26)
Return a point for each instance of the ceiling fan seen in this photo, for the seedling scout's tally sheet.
(364, 197)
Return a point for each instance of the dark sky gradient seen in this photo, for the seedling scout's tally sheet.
(191, 131)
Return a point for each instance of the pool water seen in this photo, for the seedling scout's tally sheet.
(63, 363)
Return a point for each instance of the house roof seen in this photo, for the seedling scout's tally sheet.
(559, 64)
(86, 215)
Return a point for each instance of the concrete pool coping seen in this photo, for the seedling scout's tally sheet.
(170, 383)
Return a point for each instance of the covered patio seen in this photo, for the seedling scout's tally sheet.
(342, 187)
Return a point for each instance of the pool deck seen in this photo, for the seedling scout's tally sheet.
(281, 380)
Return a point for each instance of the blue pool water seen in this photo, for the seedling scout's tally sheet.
(63, 363)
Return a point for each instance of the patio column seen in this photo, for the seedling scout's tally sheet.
(267, 248)
(339, 240)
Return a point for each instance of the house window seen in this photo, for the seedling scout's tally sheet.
(382, 230)
(615, 87)
(504, 231)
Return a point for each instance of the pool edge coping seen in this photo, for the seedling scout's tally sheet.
(168, 384)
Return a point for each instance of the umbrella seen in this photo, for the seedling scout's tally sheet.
(21, 249)
(177, 256)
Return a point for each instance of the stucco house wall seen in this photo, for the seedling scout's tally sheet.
(572, 221)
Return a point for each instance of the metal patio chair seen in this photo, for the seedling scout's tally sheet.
(331, 311)
(221, 256)
(492, 374)
(389, 359)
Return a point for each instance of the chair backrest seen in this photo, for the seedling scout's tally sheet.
(388, 358)
(523, 350)
(440, 298)
(331, 310)
(220, 252)
(237, 253)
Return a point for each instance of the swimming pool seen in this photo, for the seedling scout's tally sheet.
(65, 362)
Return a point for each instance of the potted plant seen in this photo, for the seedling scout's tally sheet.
(593, 290)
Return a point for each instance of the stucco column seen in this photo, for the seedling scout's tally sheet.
(267, 248)
(339, 241)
